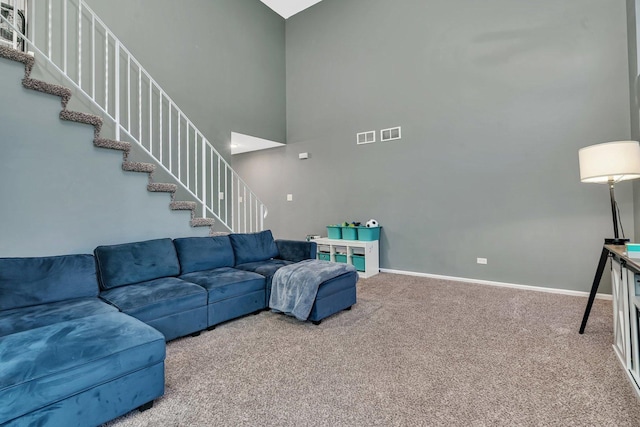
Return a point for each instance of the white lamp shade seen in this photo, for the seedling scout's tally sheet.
(611, 161)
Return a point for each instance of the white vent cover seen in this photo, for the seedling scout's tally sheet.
(390, 134)
(366, 137)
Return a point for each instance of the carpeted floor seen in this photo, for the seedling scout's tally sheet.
(412, 352)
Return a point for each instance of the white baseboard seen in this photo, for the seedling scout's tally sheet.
(501, 284)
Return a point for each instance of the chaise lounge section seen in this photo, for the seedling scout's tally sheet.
(67, 357)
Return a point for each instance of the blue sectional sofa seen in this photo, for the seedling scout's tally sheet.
(82, 337)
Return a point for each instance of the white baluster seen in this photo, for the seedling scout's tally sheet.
(80, 44)
(106, 72)
(49, 29)
(233, 203)
(93, 56)
(161, 128)
(139, 103)
(226, 187)
(219, 213)
(116, 88)
(129, 129)
(33, 26)
(204, 178)
(151, 116)
(64, 36)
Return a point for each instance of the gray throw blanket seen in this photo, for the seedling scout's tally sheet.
(294, 287)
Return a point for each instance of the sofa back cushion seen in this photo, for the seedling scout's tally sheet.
(204, 253)
(128, 263)
(252, 247)
(31, 281)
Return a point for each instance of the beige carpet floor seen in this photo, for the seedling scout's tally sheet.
(412, 352)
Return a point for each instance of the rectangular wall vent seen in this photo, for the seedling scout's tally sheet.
(366, 137)
(390, 134)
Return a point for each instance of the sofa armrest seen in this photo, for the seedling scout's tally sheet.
(296, 250)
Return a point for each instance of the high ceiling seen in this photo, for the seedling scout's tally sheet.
(287, 8)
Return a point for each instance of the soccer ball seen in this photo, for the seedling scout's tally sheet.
(372, 223)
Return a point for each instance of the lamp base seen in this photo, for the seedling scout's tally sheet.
(615, 241)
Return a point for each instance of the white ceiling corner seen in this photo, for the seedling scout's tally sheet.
(287, 8)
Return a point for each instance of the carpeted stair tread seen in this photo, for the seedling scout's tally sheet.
(138, 167)
(49, 88)
(77, 116)
(161, 187)
(111, 144)
(202, 222)
(183, 206)
(89, 119)
(16, 55)
(219, 233)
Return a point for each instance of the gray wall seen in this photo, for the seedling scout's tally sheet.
(494, 98)
(222, 61)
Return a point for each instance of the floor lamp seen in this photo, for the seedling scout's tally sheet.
(608, 163)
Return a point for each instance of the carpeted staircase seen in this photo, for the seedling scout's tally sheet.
(96, 121)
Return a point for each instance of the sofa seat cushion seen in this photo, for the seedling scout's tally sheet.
(204, 253)
(129, 263)
(223, 283)
(156, 298)
(45, 365)
(41, 280)
(251, 247)
(36, 316)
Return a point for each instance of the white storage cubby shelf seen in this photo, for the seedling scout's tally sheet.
(370, 251)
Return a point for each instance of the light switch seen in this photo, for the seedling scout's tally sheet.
(289, 197)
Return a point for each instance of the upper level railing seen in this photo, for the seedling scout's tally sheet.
(75, 41)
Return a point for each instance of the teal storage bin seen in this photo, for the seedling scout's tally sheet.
(334, 232)
(324, 256)
(367, 234)
(350, 233)
(358, 262)
(341, 258)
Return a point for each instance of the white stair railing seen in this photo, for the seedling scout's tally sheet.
(13, 11)
(75, 41)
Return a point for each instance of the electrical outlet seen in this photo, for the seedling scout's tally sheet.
(289, 197)
(481, 261)
(221, 195)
